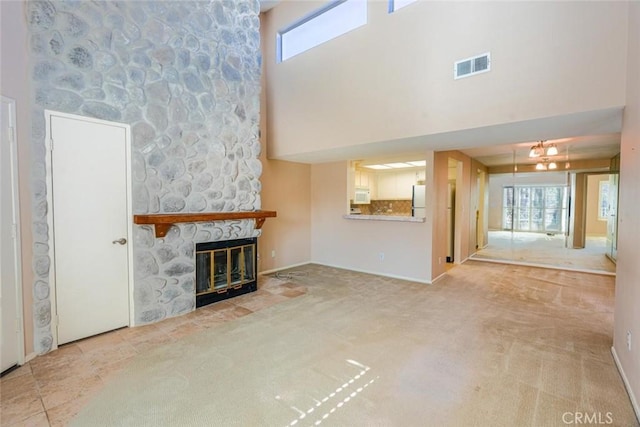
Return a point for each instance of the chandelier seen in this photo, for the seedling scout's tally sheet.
(545, 164)
(539, 150)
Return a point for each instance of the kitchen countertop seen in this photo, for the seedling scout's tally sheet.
(400, 218)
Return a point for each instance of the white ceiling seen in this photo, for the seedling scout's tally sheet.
(587, 135)
(573, 148)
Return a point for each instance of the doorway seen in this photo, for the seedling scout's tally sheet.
(454, 213)
(481, 205)
(597, 213)
(12, 343)
(89, 184)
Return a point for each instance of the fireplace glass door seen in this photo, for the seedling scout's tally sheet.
(221, 269)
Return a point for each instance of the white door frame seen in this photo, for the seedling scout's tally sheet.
(49, 177)
(15, 203)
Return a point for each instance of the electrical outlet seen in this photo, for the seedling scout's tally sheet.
(273, 254)
(381, 256)
(439, 260)
(629, 340)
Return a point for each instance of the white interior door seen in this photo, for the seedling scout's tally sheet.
(90, 225)
(11, 341)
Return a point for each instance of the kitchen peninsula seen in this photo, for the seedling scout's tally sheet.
(387, 191)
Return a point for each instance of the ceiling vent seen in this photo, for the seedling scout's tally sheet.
(470, 66)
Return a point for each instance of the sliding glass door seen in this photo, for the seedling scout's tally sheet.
(535, 208)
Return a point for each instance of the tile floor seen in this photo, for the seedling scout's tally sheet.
(51, 389)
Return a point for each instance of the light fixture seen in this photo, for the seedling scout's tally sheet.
(545, 164)
(399, 165)
(377, 166)
(539, 150)
(418, 163)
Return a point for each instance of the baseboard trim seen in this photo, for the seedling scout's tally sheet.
(29, 357)
(275, 270)
(392, 276)
(625, 381)
(536, 265)
(433, 281)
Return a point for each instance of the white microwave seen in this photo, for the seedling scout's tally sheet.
(362, 196)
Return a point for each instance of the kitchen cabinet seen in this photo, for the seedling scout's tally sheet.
(362, 178)
(397, 185)
(386, 186)
(404, 184)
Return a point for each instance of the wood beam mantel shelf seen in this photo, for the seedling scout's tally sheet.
(163, 222)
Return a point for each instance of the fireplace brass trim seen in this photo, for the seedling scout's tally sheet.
(245, 276)
(163, 222)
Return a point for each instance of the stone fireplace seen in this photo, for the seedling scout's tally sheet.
(186, 77)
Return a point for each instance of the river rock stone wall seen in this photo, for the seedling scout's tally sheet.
(185, 75)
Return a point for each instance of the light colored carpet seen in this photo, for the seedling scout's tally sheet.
(539, 248)
(489, 345)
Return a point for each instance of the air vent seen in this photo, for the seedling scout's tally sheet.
(470, 66)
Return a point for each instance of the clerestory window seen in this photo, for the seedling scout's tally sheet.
(333, 20)
(399, 4)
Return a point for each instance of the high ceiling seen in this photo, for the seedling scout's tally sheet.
(580, 136)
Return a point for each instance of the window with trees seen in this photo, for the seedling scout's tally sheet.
(535, 208)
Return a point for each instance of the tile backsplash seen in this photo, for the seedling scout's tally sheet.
(386, 207)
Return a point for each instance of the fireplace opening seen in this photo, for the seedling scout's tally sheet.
(225, 270)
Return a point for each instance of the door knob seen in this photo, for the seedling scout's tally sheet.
(121, 241)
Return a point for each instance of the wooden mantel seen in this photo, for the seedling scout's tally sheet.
(163, 222)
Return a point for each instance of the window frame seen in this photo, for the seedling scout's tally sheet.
(514, 211)
(392, 5)
(603, 196)
(308, 18)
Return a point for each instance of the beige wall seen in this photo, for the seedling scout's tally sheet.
(393, 77)
(285, 189)
(627, 300)
(286, 186)
(357, 244)
(594, 226)
(14, 83)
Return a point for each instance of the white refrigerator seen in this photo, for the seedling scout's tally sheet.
(417, 201)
